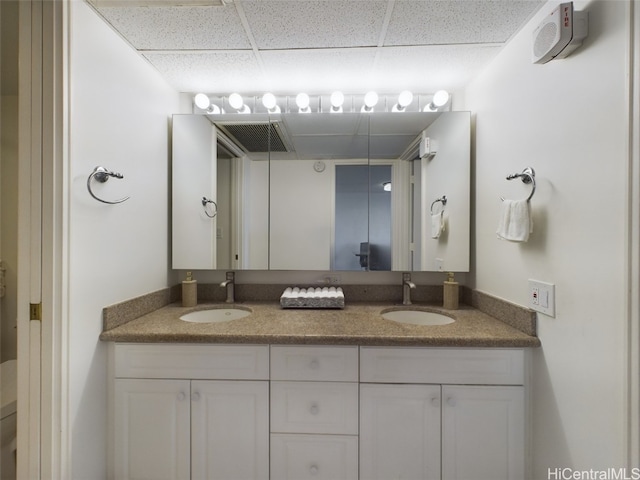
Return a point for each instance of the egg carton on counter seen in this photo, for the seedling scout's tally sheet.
(320, 297)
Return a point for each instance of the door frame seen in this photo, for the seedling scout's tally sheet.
(42, 373)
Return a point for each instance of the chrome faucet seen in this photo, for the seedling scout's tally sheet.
(229, 284)
(407, 285)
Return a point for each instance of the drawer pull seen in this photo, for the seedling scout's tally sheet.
(195, 396)
(314, 364)
(451, 401)
(181, 396)
(314, 469)
(315, 409)
(435, 401)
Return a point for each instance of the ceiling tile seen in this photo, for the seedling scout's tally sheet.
(419, 22)
(209, 72)
(179, 28)
(319, 70)
(430, 68)
(281, 24)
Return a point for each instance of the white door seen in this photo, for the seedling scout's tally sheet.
(230, 430)
(399, 432)
(482, 432)
(151, 429)
(194, 172)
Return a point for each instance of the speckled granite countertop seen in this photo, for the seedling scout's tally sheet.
(356, 324)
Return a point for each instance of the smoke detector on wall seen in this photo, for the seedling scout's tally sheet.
(560, 33)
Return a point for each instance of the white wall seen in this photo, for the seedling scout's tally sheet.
(568, 120)
(300, 215)
(119, 111)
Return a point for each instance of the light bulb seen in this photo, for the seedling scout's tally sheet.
(337, 99)
(201, 101)
(269, 100)
(440, 98)
(405, 98)
(386, 186)
(370, 99)
(235, 101)
(302, 101)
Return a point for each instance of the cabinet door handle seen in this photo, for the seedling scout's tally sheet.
(451, 401)
(435, 401)
(314, 364)
(195, 396)
(181, 396)
(314, 469)
(314, 409)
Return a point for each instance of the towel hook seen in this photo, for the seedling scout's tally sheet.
(205, 201)
(101, 175)
(442, 199)
(528, 176)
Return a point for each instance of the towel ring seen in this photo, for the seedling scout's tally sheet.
(528, 176)
(442, 199)
(205, 201)
(101, 175)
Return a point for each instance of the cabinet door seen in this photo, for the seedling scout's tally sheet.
(399, 432)
(314, 457)
(151, 429)
(483, 432)
(230, 430)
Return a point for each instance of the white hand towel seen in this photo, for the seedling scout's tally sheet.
(437, 224)
(515, 223)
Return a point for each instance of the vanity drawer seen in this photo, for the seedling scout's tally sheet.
(213, 362)
(468, 366)
(314, 407)
(308, 363)
(301, 457)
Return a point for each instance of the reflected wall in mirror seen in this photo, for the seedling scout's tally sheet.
(325, 192)
(220, 197)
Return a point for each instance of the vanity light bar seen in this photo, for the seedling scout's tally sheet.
(336, 102)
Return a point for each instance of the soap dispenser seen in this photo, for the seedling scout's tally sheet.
(189, 291)
(450, 293)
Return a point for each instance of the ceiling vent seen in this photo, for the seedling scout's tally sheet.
(257, 136)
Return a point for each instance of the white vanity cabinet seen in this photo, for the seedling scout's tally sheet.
(432, 413)
(314, 413)
(190, 412)
(243, 412)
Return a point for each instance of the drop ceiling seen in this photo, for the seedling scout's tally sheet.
(286, 46)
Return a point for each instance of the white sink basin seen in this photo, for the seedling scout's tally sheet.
(215, 315)
(417, 317)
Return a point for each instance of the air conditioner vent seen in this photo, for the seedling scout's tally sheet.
(256, 137)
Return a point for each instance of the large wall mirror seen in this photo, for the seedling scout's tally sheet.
(351, 191)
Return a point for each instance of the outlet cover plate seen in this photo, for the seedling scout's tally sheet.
(542, 297)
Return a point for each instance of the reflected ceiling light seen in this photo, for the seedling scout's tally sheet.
(203, 102)
(370, 101)
(337, 99)
(270, 103)
(404, 100)
(440, 99)
(386, 186)
(302, 101)
(236, 102)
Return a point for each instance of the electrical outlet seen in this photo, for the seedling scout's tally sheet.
(439, 264)
(542, 297)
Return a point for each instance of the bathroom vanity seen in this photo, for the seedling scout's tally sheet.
(341, 394)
